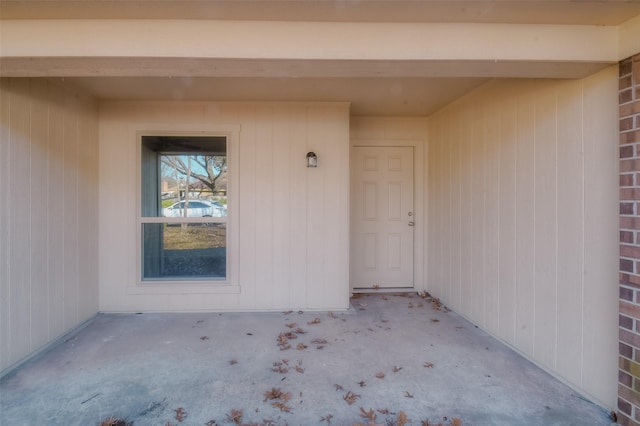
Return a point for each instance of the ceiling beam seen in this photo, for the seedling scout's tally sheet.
(306, 40)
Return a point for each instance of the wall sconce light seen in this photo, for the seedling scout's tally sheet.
(312, 159)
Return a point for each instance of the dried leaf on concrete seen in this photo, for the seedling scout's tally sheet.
(283, 340)
(278, 367)
(282, 406)
(380, 375)
(276, 393)
(402, 419)
(436, 304)
(350, 397)
(113, 421)
(315, 321)
(367, 414)
(181, 414)
(235, 416)
(327, 419)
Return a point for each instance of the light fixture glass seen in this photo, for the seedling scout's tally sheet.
(312, 159)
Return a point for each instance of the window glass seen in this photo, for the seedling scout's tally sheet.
(183, 181)
(197, 250)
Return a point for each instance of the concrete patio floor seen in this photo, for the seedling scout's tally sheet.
(390, 355)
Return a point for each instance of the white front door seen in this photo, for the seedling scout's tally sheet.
(382, 217)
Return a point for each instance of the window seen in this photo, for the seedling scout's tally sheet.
(183, 208)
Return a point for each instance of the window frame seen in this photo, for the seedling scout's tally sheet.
(196, 285)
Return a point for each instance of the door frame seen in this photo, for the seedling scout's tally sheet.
(420, 207)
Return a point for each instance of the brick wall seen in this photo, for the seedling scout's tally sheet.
(629, 319)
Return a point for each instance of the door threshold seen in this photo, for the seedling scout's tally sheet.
(368, 290)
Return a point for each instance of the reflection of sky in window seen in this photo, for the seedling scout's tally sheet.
(170, 171)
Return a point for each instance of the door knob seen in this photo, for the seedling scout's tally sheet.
(412, 223)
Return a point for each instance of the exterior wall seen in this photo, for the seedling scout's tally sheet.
(629, 319)
(293, 245)
(522, 178)
(403, 131)
(48, 215)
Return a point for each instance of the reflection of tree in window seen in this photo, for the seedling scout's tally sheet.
(175, 170)
(208, 170)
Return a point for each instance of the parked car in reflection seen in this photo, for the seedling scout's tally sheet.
(195, 208)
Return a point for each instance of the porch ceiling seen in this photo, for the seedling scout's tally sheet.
(368, 96)
(367, 68)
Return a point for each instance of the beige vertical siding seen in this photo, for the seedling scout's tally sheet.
(523, 221)
(48, 215)
(293, 241)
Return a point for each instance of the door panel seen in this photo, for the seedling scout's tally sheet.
(382, 217)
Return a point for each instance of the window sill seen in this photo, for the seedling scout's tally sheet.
(181, 287)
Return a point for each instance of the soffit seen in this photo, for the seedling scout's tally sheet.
(598, 12)
(367, 96)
